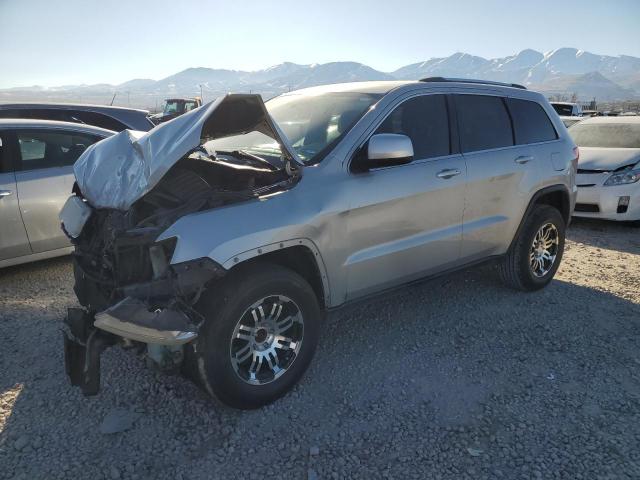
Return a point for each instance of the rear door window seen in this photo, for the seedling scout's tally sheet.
(483, 122)
(425, 121)
(47, 148)
(530, 122)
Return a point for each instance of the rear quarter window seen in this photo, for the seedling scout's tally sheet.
(483, 122)
(531, 123)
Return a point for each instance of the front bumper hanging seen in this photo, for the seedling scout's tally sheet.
(83, 345)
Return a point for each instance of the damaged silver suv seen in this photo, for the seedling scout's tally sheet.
(216, 242)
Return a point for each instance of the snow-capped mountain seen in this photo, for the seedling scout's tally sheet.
(561, 71)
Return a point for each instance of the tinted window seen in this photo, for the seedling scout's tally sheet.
(530, 122)
(97, 120)
(425, 121)
(64, 115)
(3, 167)
(45, 149)
(39, 114)
(483, 122)
(10, 113)
(564, 110)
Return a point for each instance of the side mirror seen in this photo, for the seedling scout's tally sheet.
(388, 149)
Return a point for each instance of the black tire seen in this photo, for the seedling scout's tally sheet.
(515, 268)
(224, 308)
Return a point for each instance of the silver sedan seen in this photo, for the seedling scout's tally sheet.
(36, 177)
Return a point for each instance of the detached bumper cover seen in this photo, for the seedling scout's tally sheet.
(83, 345)
(153, 312)
(131, 318)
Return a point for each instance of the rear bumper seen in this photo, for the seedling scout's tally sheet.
(597, 201)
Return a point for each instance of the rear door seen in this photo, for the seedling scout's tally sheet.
(44, 180)
(500, 174)
(13, 236)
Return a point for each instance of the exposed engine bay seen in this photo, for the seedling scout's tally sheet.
(124, 278)
(115, 253)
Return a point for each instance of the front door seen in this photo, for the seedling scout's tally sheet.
(405, 221)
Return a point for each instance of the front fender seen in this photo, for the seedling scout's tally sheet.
(239, 232)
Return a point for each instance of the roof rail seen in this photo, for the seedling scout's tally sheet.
(471, 80)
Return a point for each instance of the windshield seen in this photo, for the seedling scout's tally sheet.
(312, 123)
(564, 110)
(171, 107)
(607, 135)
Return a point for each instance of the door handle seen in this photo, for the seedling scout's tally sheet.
(522, 159)
(5, 193)
(448, 173)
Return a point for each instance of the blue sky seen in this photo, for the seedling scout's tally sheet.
(46, 42)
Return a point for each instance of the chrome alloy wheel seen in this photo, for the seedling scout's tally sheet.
(266, 339)
(544, 250)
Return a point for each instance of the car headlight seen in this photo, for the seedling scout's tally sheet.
(631, 175)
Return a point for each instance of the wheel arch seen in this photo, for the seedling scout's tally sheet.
(556, 196)
(300, 255)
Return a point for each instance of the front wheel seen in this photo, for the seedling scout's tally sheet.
(535, 255)
(260, 334)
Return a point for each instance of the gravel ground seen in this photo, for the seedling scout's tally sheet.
(455, 378)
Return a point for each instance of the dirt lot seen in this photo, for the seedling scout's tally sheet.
(455, 378)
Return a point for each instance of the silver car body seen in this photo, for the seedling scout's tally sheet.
(30, 200)
(371, 231)
(596, 166)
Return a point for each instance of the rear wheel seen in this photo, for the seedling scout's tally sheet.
(260, 333)
(535, 255)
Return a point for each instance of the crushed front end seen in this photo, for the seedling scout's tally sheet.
(129, 290)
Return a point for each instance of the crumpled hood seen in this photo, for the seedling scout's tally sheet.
(607, 159)
(117, 171)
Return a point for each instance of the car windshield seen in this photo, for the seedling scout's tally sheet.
(312, 123)
(606, 135)
(564, 110)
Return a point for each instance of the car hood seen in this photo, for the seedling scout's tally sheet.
(119, 170)
(607, 159)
